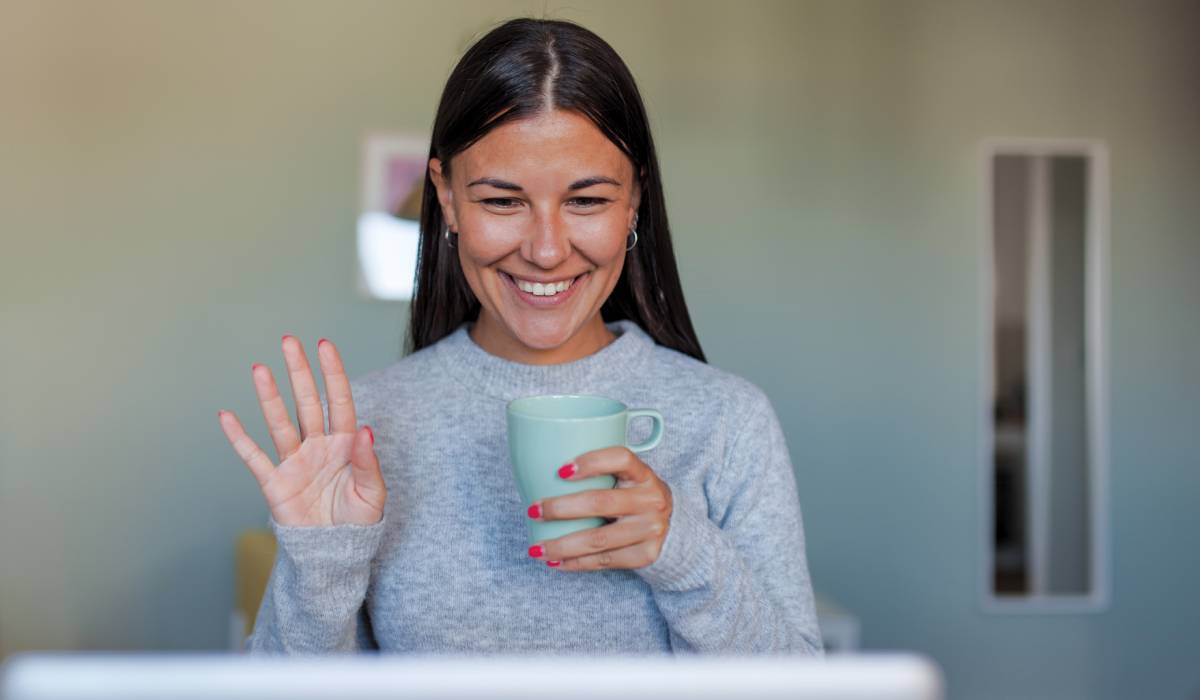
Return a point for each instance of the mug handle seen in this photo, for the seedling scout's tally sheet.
(655, 433)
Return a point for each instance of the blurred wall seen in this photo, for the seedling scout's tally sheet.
(178, 185)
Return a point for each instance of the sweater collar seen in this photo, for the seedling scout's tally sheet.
(499, 378)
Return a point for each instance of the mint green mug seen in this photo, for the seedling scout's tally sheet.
(546, 432)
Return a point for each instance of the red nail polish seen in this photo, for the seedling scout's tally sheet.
(536, 551)
(553, 564)
(535, 511)
(254, 366)
(566, 470)
(322, 340)
(370, 433)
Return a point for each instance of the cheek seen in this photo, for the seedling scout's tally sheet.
(600, 239)
(489, 239)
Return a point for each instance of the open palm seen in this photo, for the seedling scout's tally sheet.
(323, 478)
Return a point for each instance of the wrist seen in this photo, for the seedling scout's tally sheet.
(686, 558)
(347, 544)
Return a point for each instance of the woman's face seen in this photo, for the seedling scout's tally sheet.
(545, 201)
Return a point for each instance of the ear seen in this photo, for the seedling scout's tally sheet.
(445, 194)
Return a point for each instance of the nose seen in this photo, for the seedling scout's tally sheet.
(548, 244)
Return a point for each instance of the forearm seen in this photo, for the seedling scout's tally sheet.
(314, 598)
(716, 601)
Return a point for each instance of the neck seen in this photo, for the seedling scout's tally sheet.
(493, 337)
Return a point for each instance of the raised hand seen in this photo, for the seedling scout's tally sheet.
(323, 478)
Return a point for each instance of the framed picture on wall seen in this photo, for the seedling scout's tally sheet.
(393, 175)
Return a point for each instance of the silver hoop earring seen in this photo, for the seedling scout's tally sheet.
(632, 232)
(446, 235)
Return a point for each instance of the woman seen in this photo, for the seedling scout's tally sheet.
(545, 267)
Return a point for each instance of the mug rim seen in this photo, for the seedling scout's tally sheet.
(509, 408)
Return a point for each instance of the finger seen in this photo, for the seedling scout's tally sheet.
(368, 479)
(275, 412)
(622, 533)
(618, 461)
(337, 388)
(635, 556)
(304, 388)
(606, 503)
(258, 462)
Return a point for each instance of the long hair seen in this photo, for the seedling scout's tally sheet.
(515, 71)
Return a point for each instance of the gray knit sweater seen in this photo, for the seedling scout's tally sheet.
(446, 569)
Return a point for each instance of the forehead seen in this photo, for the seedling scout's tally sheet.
(547, 147)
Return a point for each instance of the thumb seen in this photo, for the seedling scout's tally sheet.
(365, 464)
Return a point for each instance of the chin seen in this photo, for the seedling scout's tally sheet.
(542, 335)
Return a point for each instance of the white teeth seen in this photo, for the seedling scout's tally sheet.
(543, 290)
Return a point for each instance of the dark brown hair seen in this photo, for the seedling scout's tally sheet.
(515, 71)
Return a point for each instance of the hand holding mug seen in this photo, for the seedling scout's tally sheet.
(323, 478)
(641, 503)
(602, 478)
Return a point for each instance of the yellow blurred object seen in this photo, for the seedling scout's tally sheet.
(255, 554)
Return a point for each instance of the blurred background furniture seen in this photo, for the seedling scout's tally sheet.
(254, 555)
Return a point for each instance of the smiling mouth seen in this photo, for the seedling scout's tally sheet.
(540, 289)
(544, 300)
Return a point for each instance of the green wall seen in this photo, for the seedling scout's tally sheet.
(178, 186)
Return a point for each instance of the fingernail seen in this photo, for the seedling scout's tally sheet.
(322, 340)
(285, 337)
(536, 551)
(553, 564)
(254, 366)
(566, 471)
(370, 433)
(535, 511)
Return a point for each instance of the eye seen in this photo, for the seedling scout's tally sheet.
(589, 201)
(502, 202)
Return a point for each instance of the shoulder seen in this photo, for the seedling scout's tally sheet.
(716, 407)
(731, 416)
(740, 399)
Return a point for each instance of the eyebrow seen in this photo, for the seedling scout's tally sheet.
(577, 185)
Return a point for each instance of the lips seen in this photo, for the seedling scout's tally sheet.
(542, 301)
(539, 288)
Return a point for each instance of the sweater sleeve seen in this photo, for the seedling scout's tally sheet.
(314, 601)
(735, 579)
